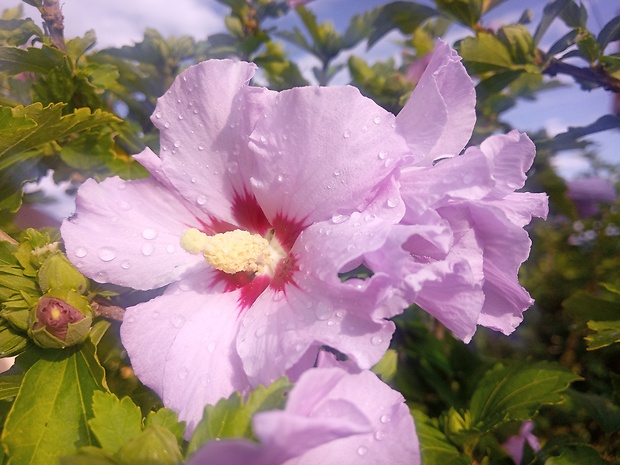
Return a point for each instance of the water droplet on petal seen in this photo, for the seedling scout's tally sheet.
(80, 252)
(380, 435)
(280, 178)
(123, 205)
(337, 219)
(382, 155)
(106, 254)
(233, 167)
(201, 200)
(201, 147)
(194, 179)
(385, 419)
(149, 233)
(336, 172)
(166, 125)
(177, 320)
(392, 202)
(263, 139)
(125, 265)
(368, 218)
(346, 134)
(147, 249)
(340, 313)
(177, 143)
(376, 340)
(376, 119)
(331, 323)
(361, 450)
(170, 248)
(180, 117)
(158, 115)
(323, 311)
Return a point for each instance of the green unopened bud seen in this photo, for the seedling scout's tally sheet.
(454, 422)
(61, 319)
(57, 272)
(154, 446)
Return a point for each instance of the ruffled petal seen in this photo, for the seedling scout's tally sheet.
(439, 117)
(181, 345)
(322, 152)
(204, 121)
(128, 233)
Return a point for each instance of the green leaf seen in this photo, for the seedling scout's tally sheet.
(89, 456)
(231, 418)
(404, 16)
(550, 12)
(42, 60)
(9, 385)
(609, 33)
(603, 411)
(607, 333)
(24, 128)
(115, 421)
(516, 392)
(48, 417)
(582, 306)
(387, 366)
(580, 454)
(168, 419)
(435, 447)
(17, 31)
(153, 446)
(466, 12)
(484, 53)
(518, 41)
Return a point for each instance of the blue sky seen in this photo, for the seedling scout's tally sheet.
(120, 22)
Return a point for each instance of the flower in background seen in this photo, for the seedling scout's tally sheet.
(459, 246)
(332, 417)
(258, 202)
(514, 444)
(587, 193)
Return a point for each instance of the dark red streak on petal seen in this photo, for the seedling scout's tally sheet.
(249, 214)
(251, 291)
(287, 231)
(284, 274)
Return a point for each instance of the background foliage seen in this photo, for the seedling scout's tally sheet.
(81, 112)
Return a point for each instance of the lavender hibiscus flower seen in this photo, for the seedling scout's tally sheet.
(332, 417)
(459, 246)
(257, 202)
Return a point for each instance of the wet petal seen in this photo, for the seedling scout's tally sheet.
(128, 233)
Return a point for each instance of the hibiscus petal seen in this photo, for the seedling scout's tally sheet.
(181, 345)
(128, 233)
(322, 153)
(440, 115)
(204, 120)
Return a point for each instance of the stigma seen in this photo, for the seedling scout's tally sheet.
(232, 251)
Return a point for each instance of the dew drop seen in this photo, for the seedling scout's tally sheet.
(328, 232)
(280, 178)
(123, 205)
(180, 117)
(147, 249)
(233, 167)
(392, 202)
(376, 119)
(106, 254)
(331, 323)
(170, 248)
(201, 200)
(149, 234)
(177, 321)
(177, 143)
(376, 340)
(125, 265)
(263, 139)
(166, 125)
(336, 172)
(194, 179)
(361, 450)
(201, 147)
(340, 313)
(158, 115)
(337, 219)
(80, 252)
(323, 312)
(368, 218)
(385, 419)
(382, 155)
(380, 435)
(346, 134)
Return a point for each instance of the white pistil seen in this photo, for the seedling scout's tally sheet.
(232, 251)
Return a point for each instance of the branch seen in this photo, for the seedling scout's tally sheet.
(595, 76)
(52, 15)
(108, 311)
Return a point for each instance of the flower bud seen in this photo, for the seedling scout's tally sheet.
(155, 445)
(57, 272)
(61, 319)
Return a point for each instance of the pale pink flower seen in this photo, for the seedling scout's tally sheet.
(331, 417)
(459, 247)
(514, 444)
(296, 186)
